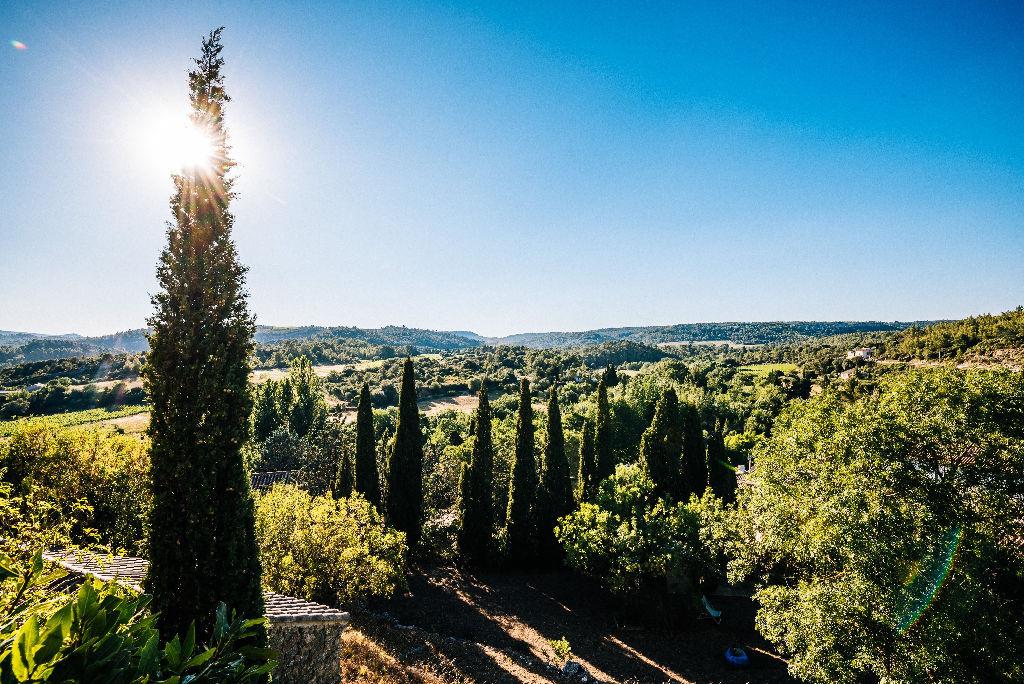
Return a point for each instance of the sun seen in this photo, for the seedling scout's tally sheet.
(175, 145)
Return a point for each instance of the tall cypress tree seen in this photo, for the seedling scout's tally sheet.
(476, 507)
(586, 477)
(721, 473)
(661, 446)
(202, 546)
(694, 475)
(554, 498)
(522, 490)
(603, 436)
(367, 479)
(405, 467)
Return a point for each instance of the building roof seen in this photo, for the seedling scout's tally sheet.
(130, 572)
(261, 482)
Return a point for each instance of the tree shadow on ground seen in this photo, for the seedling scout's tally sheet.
(509, 617)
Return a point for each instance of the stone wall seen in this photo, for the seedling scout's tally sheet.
(310, 651)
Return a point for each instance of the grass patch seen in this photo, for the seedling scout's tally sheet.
(763, 369)
(9, 427)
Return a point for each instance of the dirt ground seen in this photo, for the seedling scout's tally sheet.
(494, 628)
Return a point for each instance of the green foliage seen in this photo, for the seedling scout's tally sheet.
(266, 416)
(102, 636)
(554, 496)
(476, 500)
(367, 478)
(561, 650)
(405, 467)
(695, 462)
(878, 528)
(586, 478)
(201, 545)
(721, 473)
(329, 550)
(307, 409)
(661, 447)
(604, 459)
(91, 482)
(522, 492)
(633, 540)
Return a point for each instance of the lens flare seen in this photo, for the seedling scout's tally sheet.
(923, 587)
(18, 45)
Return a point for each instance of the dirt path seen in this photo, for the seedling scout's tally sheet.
(496, 627)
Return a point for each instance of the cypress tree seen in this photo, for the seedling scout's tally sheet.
(346, 477)
(265, 417)
(554, 498)
(603, 436)
(661, 446)
(367, 479)
(694, 472)
(476, 508)
(405, 467)
(201, 541)
(522, 490)
(721, 473)
(586, 477)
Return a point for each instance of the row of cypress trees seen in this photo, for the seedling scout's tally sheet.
(672, 453)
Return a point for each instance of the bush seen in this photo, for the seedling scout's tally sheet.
(90, 481)
(327, 550)
(635, 542)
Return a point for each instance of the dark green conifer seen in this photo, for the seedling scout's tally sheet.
(610, 377)
(554, 497)
(694, 463)
(662, 445)
(522, 491)
(346, 477)
(202, 547)
(476, 507)
(603, 436)
(586, 477)
(367, 479)
(405, 467)
(721, 473)
(265, 415)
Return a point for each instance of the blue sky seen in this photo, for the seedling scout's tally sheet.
(514, 167)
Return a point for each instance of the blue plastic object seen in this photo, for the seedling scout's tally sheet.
(737, 657)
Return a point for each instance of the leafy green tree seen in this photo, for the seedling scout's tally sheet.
(605, 460)
(554, 497)
(634, 541)
(307, 410)
(405, 467)
(476, 501)
(522, 491)
(694, 462)
(266, 415)
(721, 473)
(661, 447)
(367, 478)
(883, 533)
(202, 548)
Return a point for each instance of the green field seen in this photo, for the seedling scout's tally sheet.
(8, 428)
(763, 369)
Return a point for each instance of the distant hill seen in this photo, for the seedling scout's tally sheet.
(21, 347)
(770, 332)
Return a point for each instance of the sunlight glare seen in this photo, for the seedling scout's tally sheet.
(174, 145)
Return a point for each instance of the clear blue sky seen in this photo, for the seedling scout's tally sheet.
(520, 166)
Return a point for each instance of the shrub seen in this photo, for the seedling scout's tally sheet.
(327, 550)
(632, 540)
(90, 481)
